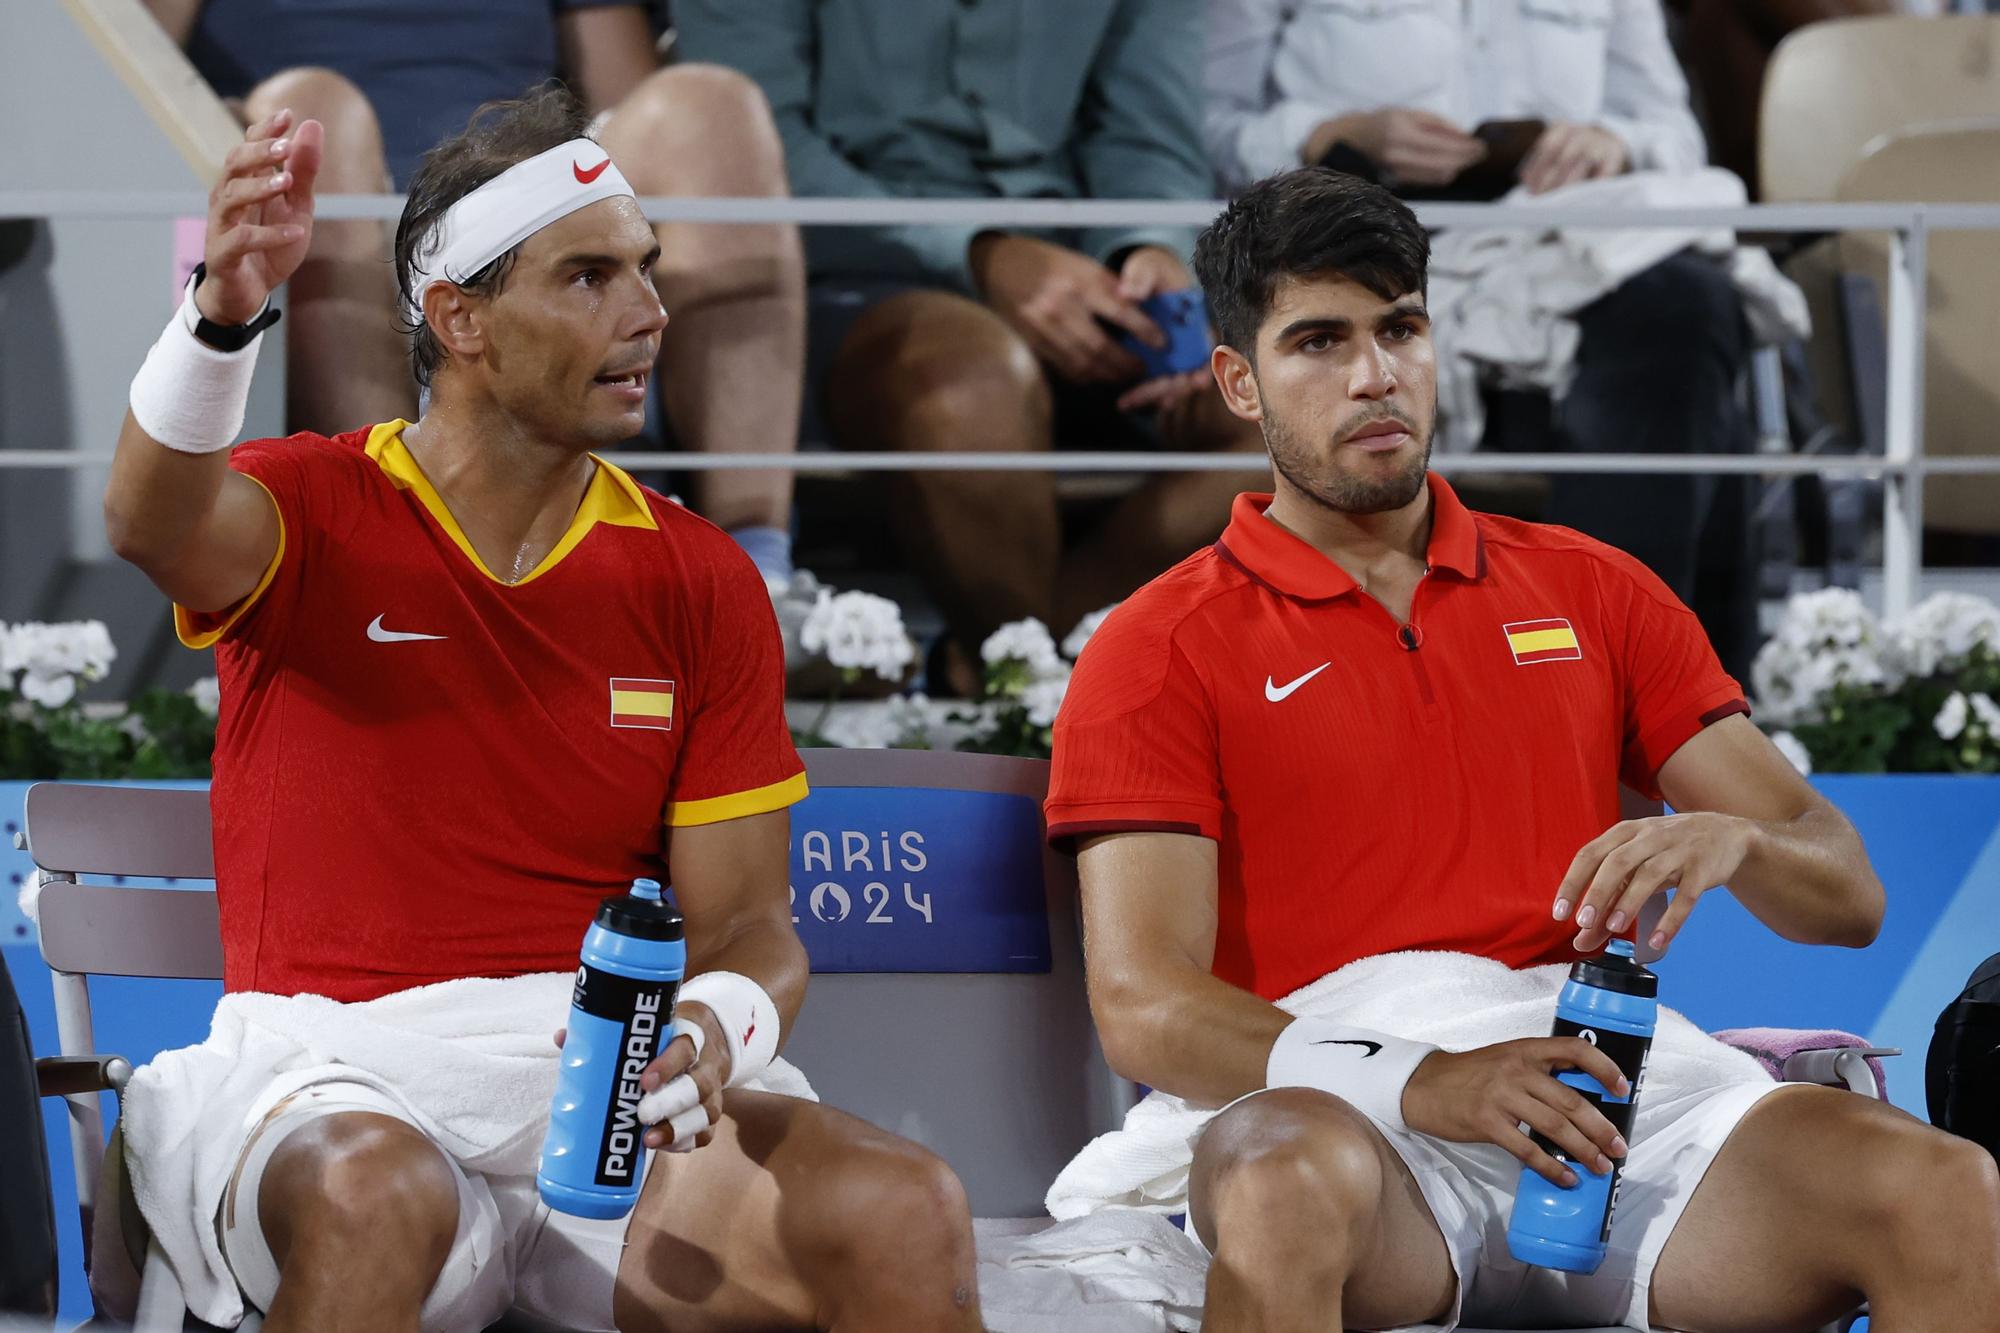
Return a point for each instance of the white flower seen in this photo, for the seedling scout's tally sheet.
(1043, 699)
(865, 726)
(1825, 639)
(1794, 751)
(1988, 714)
(1950, 719)
(1940, 633)
(1072, 644)
(915, 720)
(207, 695)
(1027, 642)
(859, 631)
(72, 648)
(48, 690)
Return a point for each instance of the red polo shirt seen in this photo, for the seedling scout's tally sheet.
(425, 772)
(1374, 786)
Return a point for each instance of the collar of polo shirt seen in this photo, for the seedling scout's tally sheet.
(1290, 565)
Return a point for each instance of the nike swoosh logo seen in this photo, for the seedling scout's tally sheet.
(1279, 693)
(380, 635)
(1373, 1046)
(586, 177)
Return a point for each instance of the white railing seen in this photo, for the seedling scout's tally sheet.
(1902, 467)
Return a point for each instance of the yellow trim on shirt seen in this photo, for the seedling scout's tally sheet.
(612, 497)
(184, 629)
(757, 801)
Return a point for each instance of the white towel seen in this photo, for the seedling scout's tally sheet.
(1453, 1000)
(1502, 300)
(1116, 1271)
(472, 1061)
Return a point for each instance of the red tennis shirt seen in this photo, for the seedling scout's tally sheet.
(423, 773)
(1374, 786)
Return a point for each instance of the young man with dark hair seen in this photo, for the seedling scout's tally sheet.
(1327, 779)
(475, 678)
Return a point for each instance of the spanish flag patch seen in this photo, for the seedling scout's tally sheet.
(642, 703)
(1535, 641)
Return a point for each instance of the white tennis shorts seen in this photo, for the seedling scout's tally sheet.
(511, 1252)
(1470, 1190)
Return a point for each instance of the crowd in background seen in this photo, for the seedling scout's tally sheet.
(923, 338)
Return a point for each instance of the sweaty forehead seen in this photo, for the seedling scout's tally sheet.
(607, 227)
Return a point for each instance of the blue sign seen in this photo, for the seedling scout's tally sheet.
(904, 879)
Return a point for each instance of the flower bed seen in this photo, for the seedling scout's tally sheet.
(1846, 693)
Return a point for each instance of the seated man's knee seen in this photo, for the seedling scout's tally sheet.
(941, 357)
(915, 1210)
(697, 120)
(1686, 300)
(1285, 1159)
(1922, 1193)
(354, 158)
(360, 1181)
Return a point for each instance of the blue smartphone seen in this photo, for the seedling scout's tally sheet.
(1183, 317)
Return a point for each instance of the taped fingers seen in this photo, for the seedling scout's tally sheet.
(686, 1127)
(670, 1100)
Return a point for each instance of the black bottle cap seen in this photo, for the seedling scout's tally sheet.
(643, 913)
(1615, 969)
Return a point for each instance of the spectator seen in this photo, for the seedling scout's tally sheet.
(1398, 91)
(389, 78)
(976, 338)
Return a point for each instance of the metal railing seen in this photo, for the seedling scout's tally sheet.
(1902, 466)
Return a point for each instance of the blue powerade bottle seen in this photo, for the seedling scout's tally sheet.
(1611, 1002)
(620, 1014)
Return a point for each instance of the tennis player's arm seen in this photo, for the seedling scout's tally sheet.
(730, 880)
(606, 52)
(1805, 873)
(1149, 923)
(202, 533)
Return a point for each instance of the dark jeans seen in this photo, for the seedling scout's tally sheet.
(27, 1219)
(1657, 372)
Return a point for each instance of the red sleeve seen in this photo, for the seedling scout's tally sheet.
(1674, 684)
(287, 472)
(737, 758)
(1135, 743)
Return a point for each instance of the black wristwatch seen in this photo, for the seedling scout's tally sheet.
(227, 337)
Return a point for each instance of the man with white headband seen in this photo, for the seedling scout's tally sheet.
(474, 679)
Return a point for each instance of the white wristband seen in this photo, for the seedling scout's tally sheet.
(1368, 1070)
(188, 395)
(748, 1018)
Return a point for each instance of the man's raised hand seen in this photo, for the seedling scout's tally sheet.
(259, 217)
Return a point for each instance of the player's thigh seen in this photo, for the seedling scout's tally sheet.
(1304, 1163)
(748, 1232)
(1800, 1187)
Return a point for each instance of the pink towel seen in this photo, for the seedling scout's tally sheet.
(1771, 1047)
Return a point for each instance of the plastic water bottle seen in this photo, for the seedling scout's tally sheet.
(1611, 1003)
(593, 1160)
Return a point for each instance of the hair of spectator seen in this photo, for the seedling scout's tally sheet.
(1303, 223)
(500, 135)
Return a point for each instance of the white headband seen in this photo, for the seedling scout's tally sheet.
(510, 208)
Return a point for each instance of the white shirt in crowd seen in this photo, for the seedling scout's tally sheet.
(1276, 69)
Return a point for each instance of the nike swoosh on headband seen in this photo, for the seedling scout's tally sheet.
(589, 177)
(1373, 1046)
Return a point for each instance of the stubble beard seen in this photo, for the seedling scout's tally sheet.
(1328, 484)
